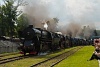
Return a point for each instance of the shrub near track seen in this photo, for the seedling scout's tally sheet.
(79, 59)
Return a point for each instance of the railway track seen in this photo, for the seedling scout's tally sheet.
(56, 59)
(2, 61)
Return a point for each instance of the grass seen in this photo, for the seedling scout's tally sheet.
(9, 56)
(3, 54)
(79, 59)
(27, 62)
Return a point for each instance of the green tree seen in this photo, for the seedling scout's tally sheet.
(2, 20)
(9, 16)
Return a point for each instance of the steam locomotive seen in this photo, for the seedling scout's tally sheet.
(35, 40)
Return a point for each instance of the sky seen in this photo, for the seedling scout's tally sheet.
(1, 2)
(85, 12)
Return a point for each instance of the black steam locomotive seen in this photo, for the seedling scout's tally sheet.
(35, 40)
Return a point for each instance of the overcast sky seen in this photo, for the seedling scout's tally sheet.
(81, 11)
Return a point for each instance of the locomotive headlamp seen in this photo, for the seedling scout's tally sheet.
(32, 44)
(21, 44)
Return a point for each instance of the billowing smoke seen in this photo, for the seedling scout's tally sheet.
(52, 24)
(45, 25)
(72, 29)
(88, 31)
(37, 13)
(75, 29)
(73, 15)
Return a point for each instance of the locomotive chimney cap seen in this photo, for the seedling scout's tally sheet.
(30, 26)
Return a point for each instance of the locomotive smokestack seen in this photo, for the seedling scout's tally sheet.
(30, 26)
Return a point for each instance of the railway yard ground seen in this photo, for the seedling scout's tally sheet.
(70, 57)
